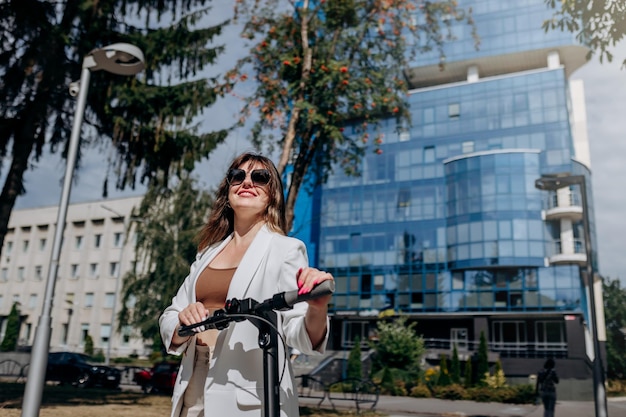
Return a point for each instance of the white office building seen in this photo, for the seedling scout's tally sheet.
(95, 255)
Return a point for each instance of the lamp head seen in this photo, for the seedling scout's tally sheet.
(118, 58)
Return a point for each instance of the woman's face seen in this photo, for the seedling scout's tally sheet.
(248, 192)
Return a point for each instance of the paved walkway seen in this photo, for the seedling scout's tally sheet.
(428, 407)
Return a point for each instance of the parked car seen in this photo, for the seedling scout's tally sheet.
(80, 370)
(161, 378)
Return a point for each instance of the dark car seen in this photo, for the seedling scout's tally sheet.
(161, 378)
(79, 369)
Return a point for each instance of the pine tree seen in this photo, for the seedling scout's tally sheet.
(444, 374)
(467, 378)
(88, 345)
(455, 366)
(355, 366)
(9, 343)
(147, 121)
(482, 362)
(318, 65)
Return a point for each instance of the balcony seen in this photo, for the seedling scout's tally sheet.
(564, 206)
(567, 252)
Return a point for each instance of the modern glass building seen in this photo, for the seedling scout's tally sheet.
(447, 225)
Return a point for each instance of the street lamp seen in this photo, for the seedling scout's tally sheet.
(118, 274)
(553, 182)
(121, 59)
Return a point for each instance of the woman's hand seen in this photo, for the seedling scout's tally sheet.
(193, 313)
(309, 278)
(316, 315)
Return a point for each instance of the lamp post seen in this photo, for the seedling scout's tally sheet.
(118, 274)
(121, 59)
(554, 182)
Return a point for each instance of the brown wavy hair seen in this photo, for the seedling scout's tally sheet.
(220, 223)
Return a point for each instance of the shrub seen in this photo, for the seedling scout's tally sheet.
(451, 392)
(522, 394)
(420, 391)
(444, 376)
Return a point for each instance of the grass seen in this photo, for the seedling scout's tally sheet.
(68, 401)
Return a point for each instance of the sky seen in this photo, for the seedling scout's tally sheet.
(605, 93)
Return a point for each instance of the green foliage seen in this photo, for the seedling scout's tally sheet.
(482, 361)
(11, 335)
(321, 64)
(88, 349)
(451, 392)
(397, 346)
(615, 320)
(355, 366)
(498, 379)
(467, 378)
(600, 24)
(148, 121)
(455, 366)
(166, 247)
(98, 356)
(444, 375)
(392, 383)
(420, 391)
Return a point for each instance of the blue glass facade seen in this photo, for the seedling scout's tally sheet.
(447, 224)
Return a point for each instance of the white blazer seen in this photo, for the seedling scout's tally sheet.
(234, 384)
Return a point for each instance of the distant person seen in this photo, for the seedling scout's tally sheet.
(546, 387)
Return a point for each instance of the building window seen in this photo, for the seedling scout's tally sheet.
(4, 274)
(32, 301)
(113, 267)
(550, 335)
(25, 246)
(467, 147)
(126, 332)
(38, 272)
(454, 110)
(93, 270)
(1, 300)
(42, 244)
(89, 300)
(509, 335)
(117, 239)
(9, 247)
(429, 154)
(97, 241)
(84, 332)
(74, 271)
(20, 273)
(78, 242)
(105, 333)
(109, 298)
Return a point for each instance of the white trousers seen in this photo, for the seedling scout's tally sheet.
(193, 399)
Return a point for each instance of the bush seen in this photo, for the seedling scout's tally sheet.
(522, 394)
(420, 391)
(451, 392)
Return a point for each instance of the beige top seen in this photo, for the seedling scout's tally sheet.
(211, 290)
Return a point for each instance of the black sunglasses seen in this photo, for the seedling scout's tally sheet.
(258, 176)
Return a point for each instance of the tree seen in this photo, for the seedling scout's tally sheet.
(165, 248)
(455, 366)
(467, 378)
(88, 345)
(147, 121)
(355, 366)
(615, 321)
(397, 346)
(482, 361)
(12, 333)
(444, 374)
(598, 24)
(319, 65)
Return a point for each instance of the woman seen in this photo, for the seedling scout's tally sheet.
(546, 387)
(243, 253)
